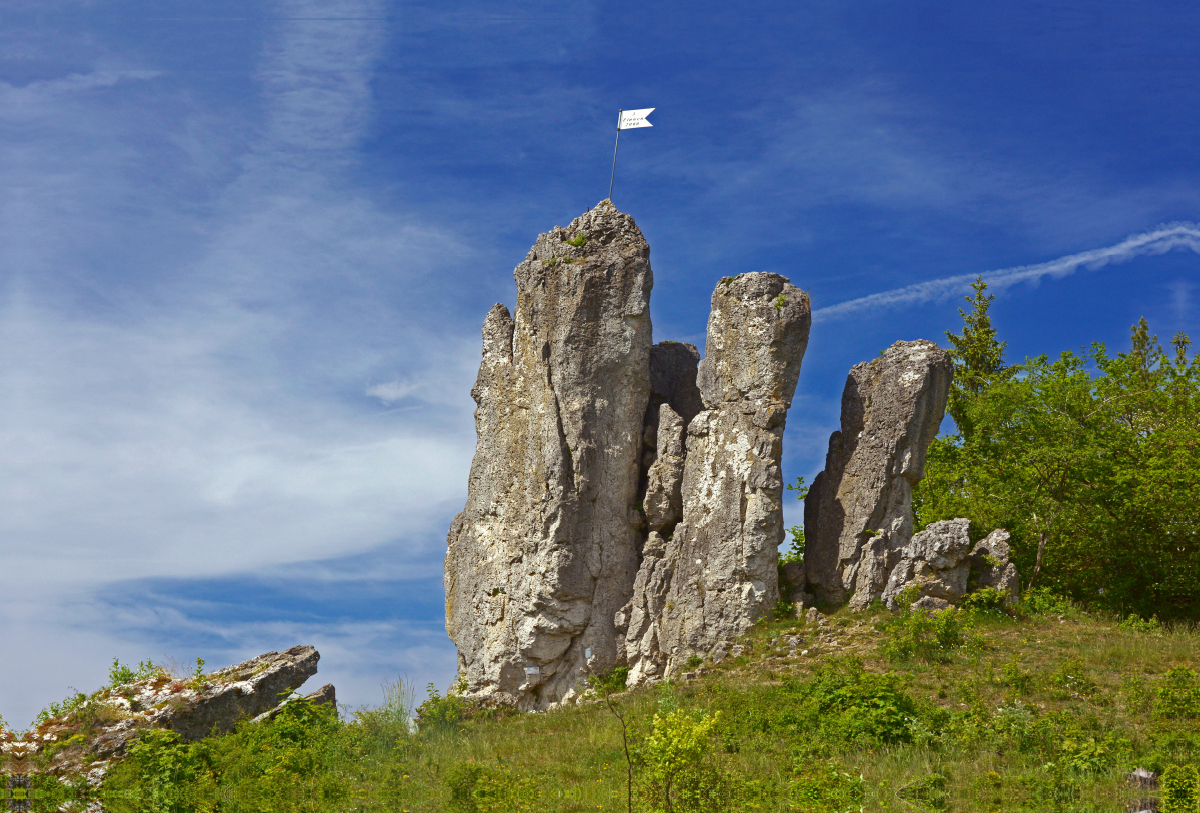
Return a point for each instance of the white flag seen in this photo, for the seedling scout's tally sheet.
(634, 118)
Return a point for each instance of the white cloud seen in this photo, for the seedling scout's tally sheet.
(1156, 241)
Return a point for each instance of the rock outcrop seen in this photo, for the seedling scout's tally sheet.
(717, 574)
(990, 566)
(936, 561)
(940, 562)
(858, 513)
(192, 707)
(546, 550)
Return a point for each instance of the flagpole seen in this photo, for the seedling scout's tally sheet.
(615, 145)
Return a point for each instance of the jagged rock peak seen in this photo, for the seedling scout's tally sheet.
(546, 550)
(717, 574)
(858, 514)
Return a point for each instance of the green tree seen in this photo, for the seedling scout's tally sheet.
(978, 357)
(1089, 462)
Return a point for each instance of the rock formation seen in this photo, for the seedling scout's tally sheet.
(936, 561)
(192, 707)
(990, 566)
(674, 401)
(546, 550)
(716, 575)
(858, 513)
(940, 562)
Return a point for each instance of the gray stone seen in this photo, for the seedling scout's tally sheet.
(931, 604)
(673, 368)
(194, 708)
(990, 565)
(641, 620)
(936, 561)
(858, 513)
(722, 558)
(663, 502)
(546, 550)
(793, 573)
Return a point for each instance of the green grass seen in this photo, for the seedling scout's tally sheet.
(1046, 713)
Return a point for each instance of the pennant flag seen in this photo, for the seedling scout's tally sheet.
(630, 119)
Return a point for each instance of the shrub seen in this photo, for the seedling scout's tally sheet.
(825, 788)
(1179, 695)
(925, 636)
(1180, 790)
(677, 772)
(1041, 601)
(1136, 623)
(853, 706)
(987, 600)
(121, 675)
(441, 712)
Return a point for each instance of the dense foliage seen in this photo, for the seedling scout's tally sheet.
(1089, 460)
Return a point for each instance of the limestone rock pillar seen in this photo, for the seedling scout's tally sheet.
(717, 574)
(858, 513)
(546, 550)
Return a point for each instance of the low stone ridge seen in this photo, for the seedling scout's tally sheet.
(718, 574)
(546, 549)
(192, 707)
(858, 513)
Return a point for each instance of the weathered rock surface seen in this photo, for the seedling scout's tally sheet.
(673, 370)
(640, 621)
(664, 497)
(990, 565)
(858, 513)
(936, 560)
(546, 550)
(194, 708)
(718, 574)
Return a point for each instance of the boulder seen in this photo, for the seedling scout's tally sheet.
(718, 572)
(936, 560)
(858, 513)
(546, 549)
(990, 566)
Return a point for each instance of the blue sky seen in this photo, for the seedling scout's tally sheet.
(246, 249)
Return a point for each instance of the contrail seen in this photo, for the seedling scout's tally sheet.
(1159, 241)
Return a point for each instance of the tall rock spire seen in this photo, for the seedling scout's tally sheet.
(858, 513)
(717, 574)
(546, 549)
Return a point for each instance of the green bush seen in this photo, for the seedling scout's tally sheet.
(825, 788)
(677, 769)
(440, 712)
(1136, 623)
(1179, 695)
(921, 635)
(987, 600)
(1042, 601)
(1179, 787)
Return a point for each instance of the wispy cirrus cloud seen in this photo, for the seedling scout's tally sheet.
(1156, 241)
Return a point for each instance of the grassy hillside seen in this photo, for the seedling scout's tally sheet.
(963, 712)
